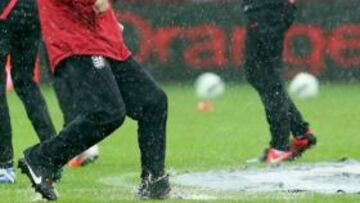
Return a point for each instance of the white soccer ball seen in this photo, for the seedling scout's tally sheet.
(209, 86)
(304, 86)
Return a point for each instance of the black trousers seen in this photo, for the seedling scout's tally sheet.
(19, 38)
(95, 102)
(266, 29)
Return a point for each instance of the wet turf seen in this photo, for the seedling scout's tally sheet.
(223, 139)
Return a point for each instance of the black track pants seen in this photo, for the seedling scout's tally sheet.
(107, 95)
(99, 110)
(266, 29)
(147, 104)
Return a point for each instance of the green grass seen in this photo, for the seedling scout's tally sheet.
(197, 141)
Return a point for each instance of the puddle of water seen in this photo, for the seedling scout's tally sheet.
(284, 182)
(325, 178)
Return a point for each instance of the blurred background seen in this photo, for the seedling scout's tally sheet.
(179, 39)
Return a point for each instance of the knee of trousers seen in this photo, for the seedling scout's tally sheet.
(154, 109)
(256, 81)
(107, 120)
(159, 101)
(114, 119)
(263, 82)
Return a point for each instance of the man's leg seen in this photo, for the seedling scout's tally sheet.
(6, 147)
(264, 45)
(99, 107)
(7, 173)
(100, 111)
(23, 56)
(147, 104)
(65, 97)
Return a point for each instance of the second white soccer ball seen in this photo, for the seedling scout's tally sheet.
(92, 152)
(209, 86)
(86, 157)
(304, 86)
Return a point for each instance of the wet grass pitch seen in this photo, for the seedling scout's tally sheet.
(200, 142)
